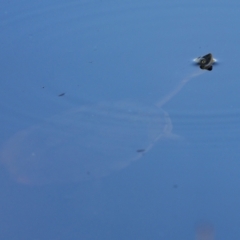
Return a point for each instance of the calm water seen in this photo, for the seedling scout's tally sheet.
(164, 168)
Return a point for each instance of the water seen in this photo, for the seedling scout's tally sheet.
(111, 52)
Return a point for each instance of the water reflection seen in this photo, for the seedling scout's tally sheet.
(85, 143)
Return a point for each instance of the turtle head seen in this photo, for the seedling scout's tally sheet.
(202, 62)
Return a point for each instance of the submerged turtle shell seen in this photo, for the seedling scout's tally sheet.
(85, 143)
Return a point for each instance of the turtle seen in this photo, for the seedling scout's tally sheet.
(206, 62)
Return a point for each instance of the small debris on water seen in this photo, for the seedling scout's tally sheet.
(141, 150)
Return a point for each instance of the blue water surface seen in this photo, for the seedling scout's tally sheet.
(60, 58)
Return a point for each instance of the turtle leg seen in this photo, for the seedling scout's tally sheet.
(210, 68)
